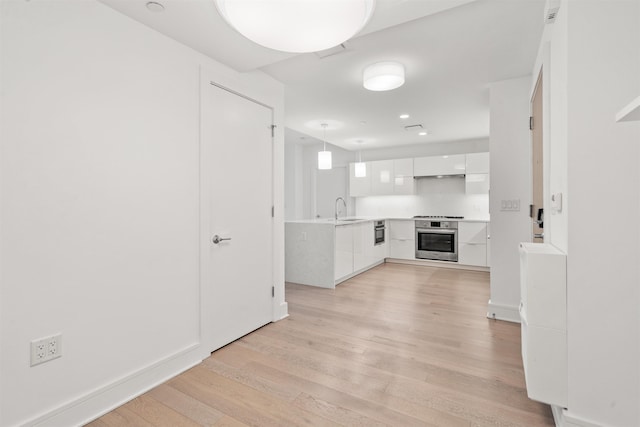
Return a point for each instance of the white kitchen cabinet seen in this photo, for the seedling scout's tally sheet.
(476, 179)
(359, 186)
(543, 318)
(403, 182)
(472, 254)
(476, 183)
(472, 243)
(402, 239)
(477, 163)
(382, 177)
(439, 165)
(343, 255)
(362, 245)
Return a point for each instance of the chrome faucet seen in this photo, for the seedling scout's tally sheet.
(345, 205)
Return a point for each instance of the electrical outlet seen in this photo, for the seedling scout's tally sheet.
(46, 349)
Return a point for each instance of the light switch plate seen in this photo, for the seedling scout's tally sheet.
(556, 202)
(511, 205)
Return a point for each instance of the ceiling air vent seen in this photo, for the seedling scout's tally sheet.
(551, 11)
(333, 51)
(413, 127)
(550, 18)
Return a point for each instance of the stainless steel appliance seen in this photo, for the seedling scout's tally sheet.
(437, 216)
(437, 240)
(378, 231)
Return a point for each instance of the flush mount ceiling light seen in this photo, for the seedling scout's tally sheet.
(404, 116)
(383, 76)
(297, 26)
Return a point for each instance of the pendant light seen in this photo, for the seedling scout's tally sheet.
(324, 156)
(360, 168)
(297, 26)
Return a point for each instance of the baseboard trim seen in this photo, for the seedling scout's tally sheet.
(564, 418)
(106, 398)
(503, 312)
(355, 273)
(283, 312)
(441, 264)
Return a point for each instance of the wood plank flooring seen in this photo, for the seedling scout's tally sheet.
(399, 345)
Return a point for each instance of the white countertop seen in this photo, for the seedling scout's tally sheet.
(341, 221)
(359, 219)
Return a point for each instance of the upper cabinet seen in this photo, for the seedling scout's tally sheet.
(383, 178)
(387, 177)
(477, 176)
(403, 182)
(359, 186)
(477, 163)
(439, 165)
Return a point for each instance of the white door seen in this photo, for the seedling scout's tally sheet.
(237, 186)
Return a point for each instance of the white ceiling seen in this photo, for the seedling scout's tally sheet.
(452, 50)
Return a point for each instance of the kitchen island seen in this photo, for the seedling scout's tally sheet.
(325, 252)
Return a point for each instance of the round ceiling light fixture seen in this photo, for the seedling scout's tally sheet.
(297, 26)
(383, 76)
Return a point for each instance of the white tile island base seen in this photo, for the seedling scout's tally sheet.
(324, 253)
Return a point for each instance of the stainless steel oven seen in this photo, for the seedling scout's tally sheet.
(437, 240)
(378, 231)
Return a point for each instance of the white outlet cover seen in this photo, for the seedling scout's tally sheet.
(46, 349)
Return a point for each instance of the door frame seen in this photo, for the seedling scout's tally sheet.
(206, 188)
(541, 70)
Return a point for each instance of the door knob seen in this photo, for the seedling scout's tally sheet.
(217, 239)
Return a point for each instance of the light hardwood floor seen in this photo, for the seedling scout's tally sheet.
(398, 345)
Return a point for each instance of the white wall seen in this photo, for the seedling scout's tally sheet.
(99, 217)
(433, 196)
(595, 71)
(339, 157)
(293, 181)
(510, 179)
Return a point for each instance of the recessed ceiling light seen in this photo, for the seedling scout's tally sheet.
(155, 6)
(422, 133)
(404, 116)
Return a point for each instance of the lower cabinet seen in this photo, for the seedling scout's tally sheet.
(343, 254)
(472, 243)
(355, 249)
(402, 239)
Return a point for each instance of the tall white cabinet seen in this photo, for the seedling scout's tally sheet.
(543, 315)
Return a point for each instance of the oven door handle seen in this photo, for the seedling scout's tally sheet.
(436, 231)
